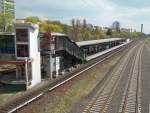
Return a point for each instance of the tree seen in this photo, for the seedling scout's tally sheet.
(73, 30)
(53, 28)
(116, 34)
(43, 26)
(65, 28)
(78, 24)
(109, 32)
(6, 22)
(50, 27)
(99, 33)
(84, 23)
(102, 34)
(135, 34)
(32, 19)
(85, 34)
(73, 23)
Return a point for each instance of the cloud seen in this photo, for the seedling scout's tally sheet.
(99, 12)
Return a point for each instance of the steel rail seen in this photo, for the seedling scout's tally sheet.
(137, 58)
(92, 103)
(30, 98)
(128, 86)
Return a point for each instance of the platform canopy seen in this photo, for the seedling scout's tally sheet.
(93, 42)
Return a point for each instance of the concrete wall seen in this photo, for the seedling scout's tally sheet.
(35, 55)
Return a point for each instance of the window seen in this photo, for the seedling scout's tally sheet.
(22, 51)
(22, 35)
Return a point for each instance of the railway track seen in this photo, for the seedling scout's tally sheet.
(100, 103)
(131, 101)
(28, 98)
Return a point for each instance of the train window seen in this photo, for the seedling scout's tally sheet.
(22, 51)
(22, 35)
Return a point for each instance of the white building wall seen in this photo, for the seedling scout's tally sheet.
(57, 65)
(35, 56)
(52, 65)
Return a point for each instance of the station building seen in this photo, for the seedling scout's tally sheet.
(40, 55)
(58, 53)
(48, 55)
(28, 66)
(94, 46)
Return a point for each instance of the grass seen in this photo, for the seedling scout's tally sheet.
(79, 90)
(73, 96)
(65, 98)
(8, 92)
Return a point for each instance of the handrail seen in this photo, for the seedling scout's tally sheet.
(69, 46)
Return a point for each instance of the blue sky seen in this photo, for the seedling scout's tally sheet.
(130, 13)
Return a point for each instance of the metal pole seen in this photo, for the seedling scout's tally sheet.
(50, 65)
(26, 72)
(141, 28)
(50, 59)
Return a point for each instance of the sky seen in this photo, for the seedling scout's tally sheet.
(130, 13)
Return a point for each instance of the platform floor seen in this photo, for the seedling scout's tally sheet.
(88, 58)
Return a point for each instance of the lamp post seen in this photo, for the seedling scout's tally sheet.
(142, 28)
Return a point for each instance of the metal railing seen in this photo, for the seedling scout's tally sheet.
(64, 43)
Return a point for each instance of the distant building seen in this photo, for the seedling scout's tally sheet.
(116, 26)
(20, 21)
(90, 27)
(7, 6)
(105, 29)
(97, 28)
(125, 30)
